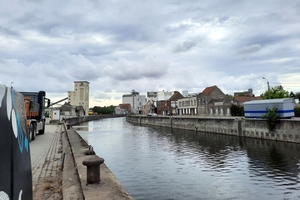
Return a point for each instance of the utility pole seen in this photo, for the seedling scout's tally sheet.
(268, 86)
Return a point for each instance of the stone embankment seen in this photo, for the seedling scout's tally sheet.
(76, 120)
(109, 188)
(286, 129)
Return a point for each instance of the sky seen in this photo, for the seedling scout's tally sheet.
(149, 46)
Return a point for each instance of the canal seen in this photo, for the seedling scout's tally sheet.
(163, 164)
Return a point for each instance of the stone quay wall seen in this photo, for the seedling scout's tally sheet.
(76, 120)
(286, 130)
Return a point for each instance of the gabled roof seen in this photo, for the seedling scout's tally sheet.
(243, 99)
(207, 90)
(66, 107)
(177, 95)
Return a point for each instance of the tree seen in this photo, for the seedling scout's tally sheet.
(297, 95)
(276, 92)
(228, 96)
(104, 110)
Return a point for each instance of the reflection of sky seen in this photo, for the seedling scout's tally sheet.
(147, 159)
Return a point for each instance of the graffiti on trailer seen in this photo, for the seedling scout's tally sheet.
(15, 168)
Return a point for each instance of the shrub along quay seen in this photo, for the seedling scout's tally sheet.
(285, 129)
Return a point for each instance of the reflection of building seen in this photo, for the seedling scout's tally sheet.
(80, 95)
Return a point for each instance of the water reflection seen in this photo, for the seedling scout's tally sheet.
(159, 163)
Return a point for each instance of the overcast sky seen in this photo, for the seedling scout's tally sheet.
(149, 45)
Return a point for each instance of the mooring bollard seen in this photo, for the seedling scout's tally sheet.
(93, 163)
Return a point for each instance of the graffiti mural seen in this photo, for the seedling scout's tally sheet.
(15, 166)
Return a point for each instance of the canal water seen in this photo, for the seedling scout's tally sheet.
(162, 164)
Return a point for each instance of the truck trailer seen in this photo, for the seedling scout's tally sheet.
(35, 103)
(258, 108)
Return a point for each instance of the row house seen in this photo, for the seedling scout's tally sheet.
(212, 101)
(169, 106)
(157, 102)
(188, 105)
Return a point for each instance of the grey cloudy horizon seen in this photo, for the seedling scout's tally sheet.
(149, 46)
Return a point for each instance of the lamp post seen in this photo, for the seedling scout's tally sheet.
(268, 86)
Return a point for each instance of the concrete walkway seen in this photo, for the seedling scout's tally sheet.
(46, 151)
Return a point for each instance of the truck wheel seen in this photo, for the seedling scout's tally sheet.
(43, 130)
(33, 131)
(30, 132)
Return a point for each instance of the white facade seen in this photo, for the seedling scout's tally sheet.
(187, 106)
(80, 95)
(162, 95)
(136, 101)
(55, 115)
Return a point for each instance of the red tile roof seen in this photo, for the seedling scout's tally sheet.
(246, 98)
(177, 95)
(207, 90)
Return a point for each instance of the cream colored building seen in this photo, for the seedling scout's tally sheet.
(80, 95)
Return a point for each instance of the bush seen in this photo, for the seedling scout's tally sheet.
(236, 110)
(272, 118)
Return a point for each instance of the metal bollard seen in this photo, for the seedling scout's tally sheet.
(93, 163)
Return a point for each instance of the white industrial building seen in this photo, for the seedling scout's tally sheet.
(80, 95)
(136, 101)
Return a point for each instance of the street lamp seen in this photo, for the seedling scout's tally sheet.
(268, 86)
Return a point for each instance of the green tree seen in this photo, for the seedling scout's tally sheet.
(228, 96)
(297, 95)
(104, 110)
(276, 92)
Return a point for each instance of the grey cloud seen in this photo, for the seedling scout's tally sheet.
(185, 46)
(264, 39)
(181, 27)
(150, 67)
(8, 31)
(250, 49)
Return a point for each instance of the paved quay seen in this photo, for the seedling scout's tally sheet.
(58, 172)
